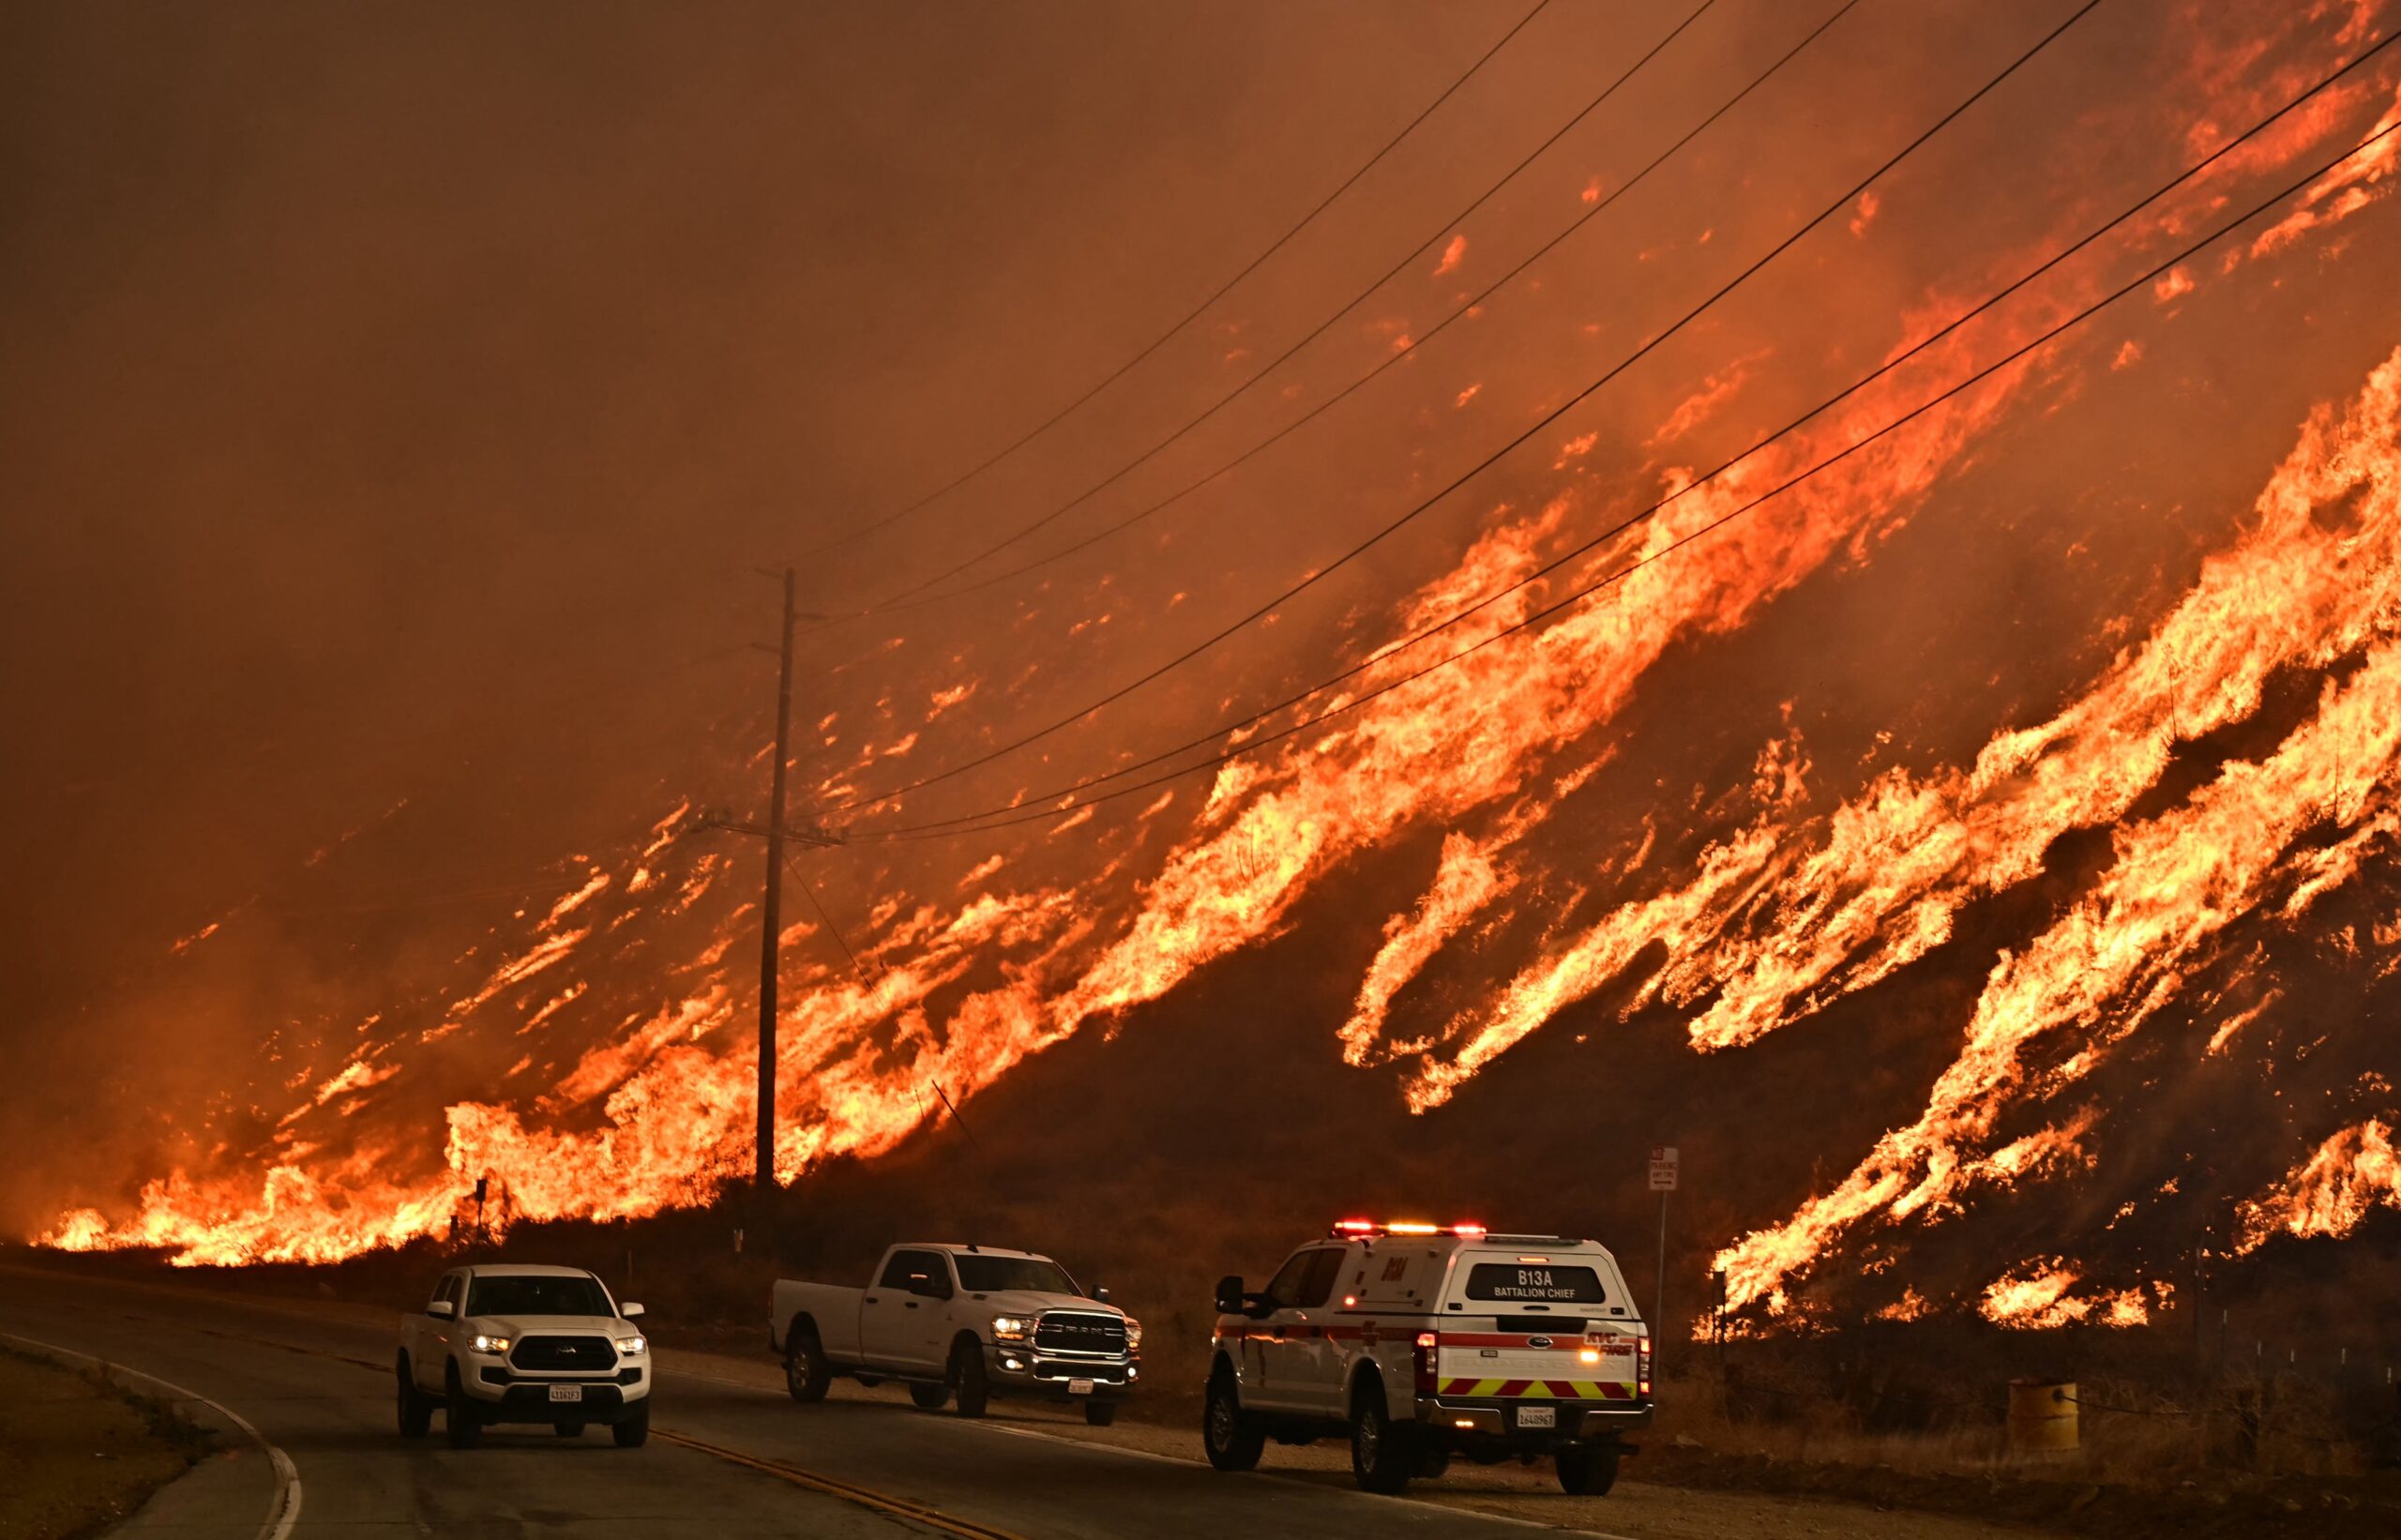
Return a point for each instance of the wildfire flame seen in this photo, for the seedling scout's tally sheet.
(2353, 1173)
(1784, 911)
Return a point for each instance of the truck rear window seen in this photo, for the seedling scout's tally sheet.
(1533, 1283)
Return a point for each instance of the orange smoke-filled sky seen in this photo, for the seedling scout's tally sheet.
(399, 405)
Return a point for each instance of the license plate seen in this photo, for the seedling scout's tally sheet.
(1079, 1387)
(1537, 1416)
(567, 1393)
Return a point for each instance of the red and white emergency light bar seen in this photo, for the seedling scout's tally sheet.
(1351, 1229)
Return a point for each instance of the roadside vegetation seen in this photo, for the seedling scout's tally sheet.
(79, 1450)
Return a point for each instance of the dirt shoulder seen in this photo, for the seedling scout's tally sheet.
(78, 1454)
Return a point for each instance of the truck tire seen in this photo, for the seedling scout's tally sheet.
(1232, 1436)
(1588, 1469)
(461, 1422)
(632, 1430)
(1383, 1455)
(1100, 1414)
(929, 1397)
(969, 1380)
(416, 1407)
(807, 1375)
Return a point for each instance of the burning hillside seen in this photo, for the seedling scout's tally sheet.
(1706, 719)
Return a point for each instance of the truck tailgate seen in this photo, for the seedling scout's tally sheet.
(1532, 1366)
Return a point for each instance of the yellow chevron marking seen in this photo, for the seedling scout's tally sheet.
(1582, 1390)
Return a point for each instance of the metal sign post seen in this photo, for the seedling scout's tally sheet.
(1663, 1182)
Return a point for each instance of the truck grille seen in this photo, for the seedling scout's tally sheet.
(1099, 1374)
(1066, 1331)
(584, 1355)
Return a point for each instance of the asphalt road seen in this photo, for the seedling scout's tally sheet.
(728, 1454)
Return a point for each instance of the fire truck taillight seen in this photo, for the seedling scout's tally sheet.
(1429, 1344)
(1642, 1368)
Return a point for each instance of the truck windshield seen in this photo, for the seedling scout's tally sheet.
(537, 1295)
(999, 1275)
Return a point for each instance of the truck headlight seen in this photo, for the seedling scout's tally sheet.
(630, 1346)
(481, 1343)
(1011, 1328)
(1133, 1334)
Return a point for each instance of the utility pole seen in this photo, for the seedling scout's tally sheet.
(775, 831)
(773, 903)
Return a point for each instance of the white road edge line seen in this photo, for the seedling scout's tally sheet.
(1181, 1459)
(284, 1511)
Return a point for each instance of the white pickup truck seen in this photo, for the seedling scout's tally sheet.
(968, 1322)
(521, 1344)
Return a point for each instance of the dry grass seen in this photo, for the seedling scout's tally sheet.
(78, 1451)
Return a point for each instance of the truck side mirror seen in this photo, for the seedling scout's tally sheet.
(629, 1311)
(1230, 1294)
(1100, 1292)
(441, 1309)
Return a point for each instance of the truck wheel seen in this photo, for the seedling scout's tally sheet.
(1382, 1455)
(805, 1372)
(969, 1378)
(1588, 1470)
(461, 1423)
(1100, 1414)
(416, 1407)
(929, 1397)
(1230, 1435)
(632, 1431)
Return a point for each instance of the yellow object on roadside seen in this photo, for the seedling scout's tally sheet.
(2042, 1417)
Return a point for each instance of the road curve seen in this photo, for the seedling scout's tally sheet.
(728, 1456)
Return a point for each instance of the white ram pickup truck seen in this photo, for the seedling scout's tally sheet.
(518, 1344)
(969, 1322)
(1421, 1342)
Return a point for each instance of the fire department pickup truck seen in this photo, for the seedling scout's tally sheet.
(1424, 1341)
(959, 1320)
(518, 1344)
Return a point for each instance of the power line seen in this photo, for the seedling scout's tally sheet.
(1262, 714)
(835, 930)
(1393, 359)
(1194, 314)
(1407, 260)
(1615, 578)
(1362, 548)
